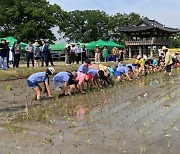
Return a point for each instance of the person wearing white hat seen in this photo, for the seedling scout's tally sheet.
(40, 77)
(168, 61)
(37, 54)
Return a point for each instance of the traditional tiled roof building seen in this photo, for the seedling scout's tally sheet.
(146, 34)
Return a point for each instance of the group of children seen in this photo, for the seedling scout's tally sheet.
(92, 75)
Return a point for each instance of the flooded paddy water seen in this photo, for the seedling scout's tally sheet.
(142, 116)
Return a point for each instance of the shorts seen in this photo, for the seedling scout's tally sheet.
(58, 84)
(37, 58)
(71, 82)
(32, 84)
(168, 68)
(117, 73)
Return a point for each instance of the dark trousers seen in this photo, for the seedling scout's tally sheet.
(45, 58)
(72, 57)
(30, 56)
(78, 58)
(16, 60)
(83, 56)
(115, 57)
(51, 60)
(8, 60)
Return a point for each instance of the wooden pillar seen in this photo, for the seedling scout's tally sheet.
(130, 54)
(140, 51)
(151, 51)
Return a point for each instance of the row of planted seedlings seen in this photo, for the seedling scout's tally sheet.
(146, 114)
(154, 116)
(63, 107)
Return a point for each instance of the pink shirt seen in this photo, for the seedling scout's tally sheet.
(80, 77)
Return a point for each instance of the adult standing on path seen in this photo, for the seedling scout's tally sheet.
(45, 53)
(121, 54)
(67, 54)
(83, 53)
(97, 54)
(78, 53)
(50, 57)
(105, 53)
(168, 61)
(37, 54)
(72, 53)
(4, 53)
(17, 52)
(30, 53)
(114, 52)
(8, 53)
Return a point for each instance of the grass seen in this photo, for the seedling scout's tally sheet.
(24, 72)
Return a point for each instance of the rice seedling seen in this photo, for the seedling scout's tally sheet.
(142, 149)
(9, 88)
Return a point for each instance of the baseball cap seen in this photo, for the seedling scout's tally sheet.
(89, 76)
(51, 69)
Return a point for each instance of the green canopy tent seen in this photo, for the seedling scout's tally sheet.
(113, 44)
(101, 43)
(57, 47)
(91, 45)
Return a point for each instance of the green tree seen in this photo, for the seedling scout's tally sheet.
(84, 26)
(28, 19)
(121, 20)
(175, 41)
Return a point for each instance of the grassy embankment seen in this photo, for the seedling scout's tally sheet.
(24, 72)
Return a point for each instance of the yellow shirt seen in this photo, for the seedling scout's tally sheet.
(142, 62)
(137, 61)
(168, 58)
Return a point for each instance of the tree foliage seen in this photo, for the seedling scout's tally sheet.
(90, 25)
(33, 20)
(84, 26)
(28, 19)
(121, 20)
(175, 41)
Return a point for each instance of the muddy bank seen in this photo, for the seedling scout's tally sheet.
(134, 117)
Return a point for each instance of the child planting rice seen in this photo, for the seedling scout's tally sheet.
(40, 77)
(63, 80)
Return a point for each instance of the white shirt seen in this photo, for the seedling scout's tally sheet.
(77, 50)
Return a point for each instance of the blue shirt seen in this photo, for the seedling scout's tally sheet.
(45, 49)
(119, 64)
(93, 72)
(133, 67)
(83, 69)
(61, 77)
(37, 52)
(122, 69)
(38, 77)
(111, 70)
(154, 62)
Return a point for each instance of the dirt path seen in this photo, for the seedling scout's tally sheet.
(142, 116)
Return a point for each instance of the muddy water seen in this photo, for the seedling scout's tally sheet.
(142, 116)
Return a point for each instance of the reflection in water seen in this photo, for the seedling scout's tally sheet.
(81, 111)
(152, 83)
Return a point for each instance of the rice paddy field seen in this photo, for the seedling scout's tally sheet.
(138, 117)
